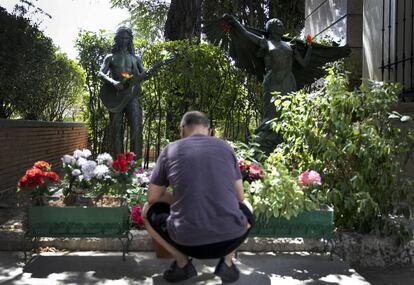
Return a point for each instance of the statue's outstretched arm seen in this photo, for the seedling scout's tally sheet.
(232, 21)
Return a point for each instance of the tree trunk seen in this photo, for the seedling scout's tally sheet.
(183, 20)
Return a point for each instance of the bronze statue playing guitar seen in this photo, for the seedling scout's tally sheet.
(122, 71)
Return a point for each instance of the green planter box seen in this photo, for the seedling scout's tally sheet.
(77, 222)
(312, 224)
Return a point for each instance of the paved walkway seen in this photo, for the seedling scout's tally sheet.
(145, 268)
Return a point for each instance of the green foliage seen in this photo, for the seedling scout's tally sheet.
(92, 49)
(347, 137)
(201, 78)
(147, 17)
(278, 193)
(255, 13)
(34, 76)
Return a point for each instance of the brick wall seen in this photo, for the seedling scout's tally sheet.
(24, 142)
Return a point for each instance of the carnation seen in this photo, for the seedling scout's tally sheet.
(104, 158)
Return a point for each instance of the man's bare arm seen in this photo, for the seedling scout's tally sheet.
(158, 193)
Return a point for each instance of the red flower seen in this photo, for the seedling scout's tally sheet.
(255, 171)
(136, 217)
(225, 27)
(120, 165)
(35, 177)
(22, 182)
(308, 39)
(129, 156)
(120, 156)
(53, 177)
(42, 165)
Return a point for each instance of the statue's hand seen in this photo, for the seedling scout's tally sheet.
(229, 19)
(119, 86)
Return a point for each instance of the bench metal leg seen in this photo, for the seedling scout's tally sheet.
(329, 246)
(125, 245)
(33, 244)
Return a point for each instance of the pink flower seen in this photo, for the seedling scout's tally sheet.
(309, 178)
(255, 171)
(136, 217)
(314, 177)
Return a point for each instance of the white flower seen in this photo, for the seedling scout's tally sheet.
(101, 171)
(86, 153)
(142, 178)
(68, 159)
(81, 161)
(82, 153)
(76, 172)
(104, 158)
(88, 169)
(77, 154)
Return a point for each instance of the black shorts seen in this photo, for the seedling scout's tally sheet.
(157, 217)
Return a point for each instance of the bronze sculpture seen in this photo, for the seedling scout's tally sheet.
(283, 64)
(121, 72)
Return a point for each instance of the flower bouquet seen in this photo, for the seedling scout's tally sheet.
(36, 182)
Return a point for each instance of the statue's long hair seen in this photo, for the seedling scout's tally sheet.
(117, 41)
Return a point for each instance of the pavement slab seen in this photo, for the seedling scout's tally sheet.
(145, 268)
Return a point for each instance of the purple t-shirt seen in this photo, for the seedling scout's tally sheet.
(202, 171)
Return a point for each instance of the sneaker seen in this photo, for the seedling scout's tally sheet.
(177, 274)
(227, 274)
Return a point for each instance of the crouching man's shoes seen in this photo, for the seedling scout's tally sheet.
(177, 274)
(227, 274)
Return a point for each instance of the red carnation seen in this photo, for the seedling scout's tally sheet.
(120, 165)
(308, 39)
(42, 165)
(53, 177)
(129, 156)
(120, 156)
(22, 182)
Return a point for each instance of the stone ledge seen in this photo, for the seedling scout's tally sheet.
(14, 241)
(354, 248)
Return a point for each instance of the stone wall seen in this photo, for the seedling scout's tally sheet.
(24, 142)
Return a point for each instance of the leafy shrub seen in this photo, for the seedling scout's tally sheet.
(348, 137)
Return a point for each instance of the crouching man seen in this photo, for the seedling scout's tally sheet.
(204, 216)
